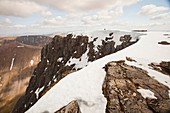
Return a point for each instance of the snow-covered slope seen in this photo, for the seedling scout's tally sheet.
(86, 85)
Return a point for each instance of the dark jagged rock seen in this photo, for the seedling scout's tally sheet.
(164, 43)
(54, 59)
(140, 30)
(121, 90)
(158, 106)
(130, 59)
(163, 67)
(72, 107)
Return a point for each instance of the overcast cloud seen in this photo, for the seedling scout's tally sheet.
(19, 8)
(152, 9)
(27, 8)
(161, 16)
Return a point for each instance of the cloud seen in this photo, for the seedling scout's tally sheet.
(46, 13)
(6, 22)
(161, 16)
(151, 9)
(85, 5)
(78, 5)
(20, 8)
(106, 17)
(54, 21)
(24, 8)
(18, 26)
(102, 17)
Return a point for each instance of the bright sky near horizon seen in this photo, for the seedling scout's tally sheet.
(18, 17)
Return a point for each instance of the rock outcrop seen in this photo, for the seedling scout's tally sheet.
(124, 86)
(163, 67)
(164, 43)
(72, 107)
(64, 55)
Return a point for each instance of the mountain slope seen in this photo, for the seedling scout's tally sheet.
(68, 54)
(85, 85)
(16, 65)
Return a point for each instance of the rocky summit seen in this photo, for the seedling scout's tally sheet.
(124, 88)
(68, 54)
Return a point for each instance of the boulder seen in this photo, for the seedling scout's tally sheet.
(72, 107)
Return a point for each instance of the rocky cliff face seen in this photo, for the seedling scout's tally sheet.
(125, 88)
(67, 54)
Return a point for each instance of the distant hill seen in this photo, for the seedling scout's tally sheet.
(36, 40)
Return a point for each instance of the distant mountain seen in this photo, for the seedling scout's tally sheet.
(19, 56)
(36, 40)
(68, 54)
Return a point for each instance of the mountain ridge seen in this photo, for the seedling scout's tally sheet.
(70, 53)
(85, 85)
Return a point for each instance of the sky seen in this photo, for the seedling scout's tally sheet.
(19, 17)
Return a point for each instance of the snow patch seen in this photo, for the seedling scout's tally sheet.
(75, 52)
(59, 59)
(49, 83)
(20, 46)
(55, 80)
(45, 68)
(146, 93)
(80, 63)
(82, 44)
(32, 62)
(38, 91)
(12, 63)
(48, 61)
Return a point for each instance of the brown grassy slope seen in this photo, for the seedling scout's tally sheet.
(14, 82)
